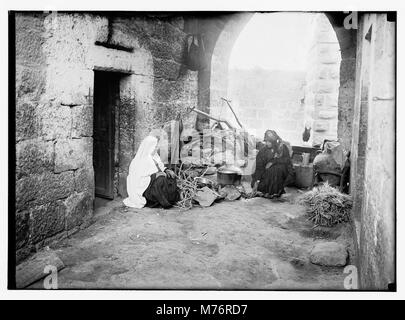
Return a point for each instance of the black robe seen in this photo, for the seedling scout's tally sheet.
(162, 191)
(274, 179)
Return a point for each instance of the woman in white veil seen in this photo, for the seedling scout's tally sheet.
(148, 176)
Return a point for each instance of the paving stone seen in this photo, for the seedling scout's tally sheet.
(331, 254)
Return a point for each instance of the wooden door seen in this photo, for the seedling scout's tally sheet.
(106, 97)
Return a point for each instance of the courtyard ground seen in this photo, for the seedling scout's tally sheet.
(245, 244)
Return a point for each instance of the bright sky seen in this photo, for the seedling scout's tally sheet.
(275, 41)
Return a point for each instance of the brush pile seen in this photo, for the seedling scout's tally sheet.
(227, 146)
(326, 206)
(187, 185)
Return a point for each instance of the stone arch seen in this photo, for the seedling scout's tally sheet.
(220, 58)
(226, 37)
(347, 39)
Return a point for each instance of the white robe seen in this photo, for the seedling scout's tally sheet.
(145, 163)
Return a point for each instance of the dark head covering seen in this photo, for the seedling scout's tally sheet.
(272, 136)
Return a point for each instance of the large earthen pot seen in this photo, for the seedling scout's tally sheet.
(326, 169)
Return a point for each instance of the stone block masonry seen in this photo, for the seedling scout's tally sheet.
(265, 99)
(373, 152)
(322, 82)
(56, 55)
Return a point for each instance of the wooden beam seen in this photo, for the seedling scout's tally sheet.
(234, 114)
(212, 118)
(32, 270)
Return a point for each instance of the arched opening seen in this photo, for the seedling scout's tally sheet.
(281, 72)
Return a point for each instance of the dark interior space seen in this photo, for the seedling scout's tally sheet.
(106, 98)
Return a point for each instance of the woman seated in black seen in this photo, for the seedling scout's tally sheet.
(273, 167)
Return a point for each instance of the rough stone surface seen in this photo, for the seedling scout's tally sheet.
(373, 151)
(69, 86)
(42, 188)
(346, 101)
(122, 185)
(205, 197)
(46, 220)
(30, 81)
(24, 253)
(82, 121)
(169, 70)
(29, 39)
(55, 121)
(72, 154)
(26, 121)
(79, 208)
(34, 157)
(330, 254)
(84, 179)
(230, 193)
(22, 229)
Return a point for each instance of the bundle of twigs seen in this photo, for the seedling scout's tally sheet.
(326, 206)
(187, 185)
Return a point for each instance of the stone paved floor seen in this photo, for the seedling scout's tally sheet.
(244, 244)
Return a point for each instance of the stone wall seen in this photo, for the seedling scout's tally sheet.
(56, 55)
(322, 82)
(373, 152)
(265, 99)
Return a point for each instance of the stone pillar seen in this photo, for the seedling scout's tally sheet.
(347, 41)
(322, 82)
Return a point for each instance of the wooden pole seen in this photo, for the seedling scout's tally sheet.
(212, 118)
(33, 269)
(230, 107)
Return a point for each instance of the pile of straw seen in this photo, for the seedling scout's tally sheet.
(326, 206)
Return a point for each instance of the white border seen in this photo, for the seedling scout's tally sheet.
(188, 5)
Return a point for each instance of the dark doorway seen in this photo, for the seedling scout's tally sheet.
(106, 99)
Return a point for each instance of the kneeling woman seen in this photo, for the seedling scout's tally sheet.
(273, 167)
(149, 182)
